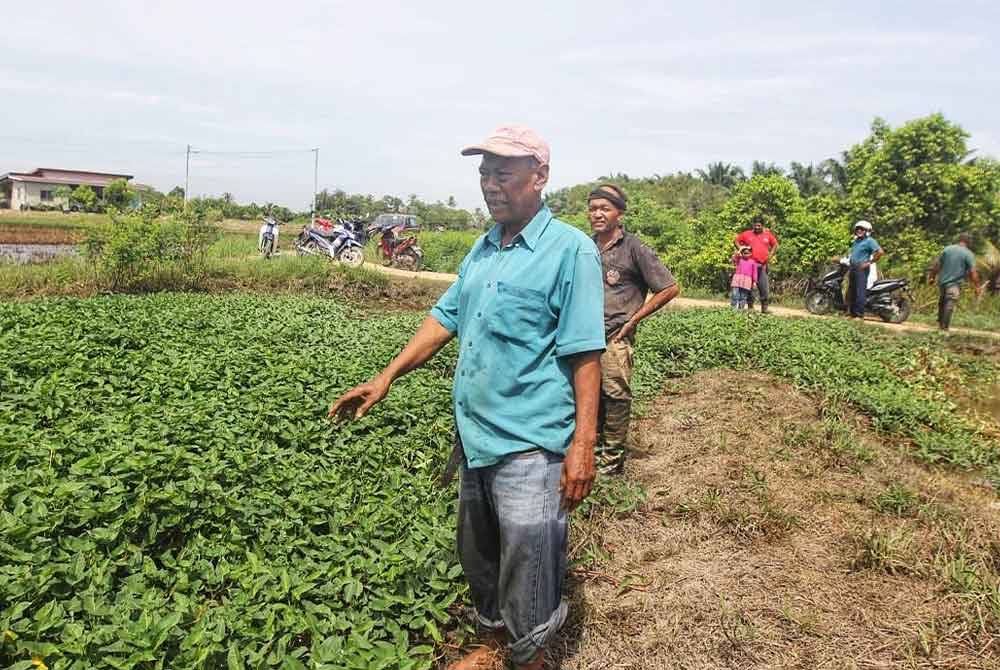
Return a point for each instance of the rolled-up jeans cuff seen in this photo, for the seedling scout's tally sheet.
(524, 650)
(489, 625)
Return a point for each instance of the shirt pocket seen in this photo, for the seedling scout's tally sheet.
(521, 314)
(615, 275)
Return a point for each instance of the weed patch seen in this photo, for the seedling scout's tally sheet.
(846, 365)
(889, 551)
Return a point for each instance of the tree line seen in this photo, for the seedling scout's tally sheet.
(919, 184)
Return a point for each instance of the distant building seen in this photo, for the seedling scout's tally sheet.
(24, 190)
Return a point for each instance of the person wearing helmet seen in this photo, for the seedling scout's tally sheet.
(864, 251)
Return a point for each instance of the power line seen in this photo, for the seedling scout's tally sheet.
(269, 152)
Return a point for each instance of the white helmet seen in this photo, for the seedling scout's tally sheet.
(863, 224)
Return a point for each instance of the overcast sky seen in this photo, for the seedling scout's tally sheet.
(389, 92)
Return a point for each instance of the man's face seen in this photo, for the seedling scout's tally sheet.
(512, 187)
(859, 232)
(604, 216)
(758, 226)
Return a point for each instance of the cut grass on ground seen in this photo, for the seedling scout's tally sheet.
(758, 551)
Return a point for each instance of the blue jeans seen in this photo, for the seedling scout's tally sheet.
(512, 533)
(740, 297)
(857, 289)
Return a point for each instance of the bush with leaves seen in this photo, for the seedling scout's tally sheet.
(806, 239)
(85, 198)
(921, 176)
(118, 194)
(133, 247)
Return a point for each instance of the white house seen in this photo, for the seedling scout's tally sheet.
(24, 190)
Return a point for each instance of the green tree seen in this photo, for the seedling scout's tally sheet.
(176, 192)
(118, 194)
(722, 174)
(808, 178)
(85, 197)
(919, 176)
(681, 191)
(834, 173)
(62, 195)
(762, 169)
(807, 237)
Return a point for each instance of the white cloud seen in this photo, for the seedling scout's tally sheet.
(391, 90)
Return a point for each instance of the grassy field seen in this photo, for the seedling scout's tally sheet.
(178, 498)
(443, 252)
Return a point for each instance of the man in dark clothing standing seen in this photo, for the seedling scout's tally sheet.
(631, 271)
(950, 269)
(763, 244)
(864, 252)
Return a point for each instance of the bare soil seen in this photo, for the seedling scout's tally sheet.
(15, 234)
(781, 533)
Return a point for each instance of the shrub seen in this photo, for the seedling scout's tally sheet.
(137, 247)
(85, 198)
(444, 251)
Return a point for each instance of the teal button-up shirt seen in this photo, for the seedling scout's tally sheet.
(519, 312)
(862, 250)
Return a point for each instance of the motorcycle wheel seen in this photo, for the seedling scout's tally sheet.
(267, 248)
(818, 302)
(408, 260)
(352, 256)
(898, 315)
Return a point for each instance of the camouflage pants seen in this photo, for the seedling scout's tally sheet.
(616, 406)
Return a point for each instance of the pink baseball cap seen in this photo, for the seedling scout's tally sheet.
(511, 142)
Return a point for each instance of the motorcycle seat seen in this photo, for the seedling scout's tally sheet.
(327, 232)
(887, 283)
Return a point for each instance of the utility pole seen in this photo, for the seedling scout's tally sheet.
(187, 176)
(315, 185)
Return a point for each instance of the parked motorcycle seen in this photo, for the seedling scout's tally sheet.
(267, 240)
(336, 241)
(401, 252)
(889, 299)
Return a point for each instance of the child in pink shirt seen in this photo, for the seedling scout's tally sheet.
(744, 278)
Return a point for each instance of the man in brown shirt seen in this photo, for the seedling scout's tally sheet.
(631, 271)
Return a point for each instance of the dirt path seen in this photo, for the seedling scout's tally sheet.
(797, 541)
(688, 303)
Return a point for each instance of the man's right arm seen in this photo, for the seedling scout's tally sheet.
(429, 339)
(973, 275)
(435, 332)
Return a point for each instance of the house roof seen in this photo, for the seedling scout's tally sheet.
(57, 176)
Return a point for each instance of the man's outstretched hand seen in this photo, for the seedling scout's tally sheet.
(355, 403)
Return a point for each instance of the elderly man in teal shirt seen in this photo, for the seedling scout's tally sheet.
(528, 311)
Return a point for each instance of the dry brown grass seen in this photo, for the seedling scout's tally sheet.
(16, 234)
(781, 534)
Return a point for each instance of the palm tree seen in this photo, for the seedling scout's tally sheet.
(722, 174)
(760, 168)
(834, 173)
(808, 179)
